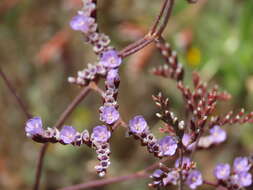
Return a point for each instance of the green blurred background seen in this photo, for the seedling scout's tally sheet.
(38, 52)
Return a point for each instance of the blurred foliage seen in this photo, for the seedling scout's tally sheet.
(213, 37)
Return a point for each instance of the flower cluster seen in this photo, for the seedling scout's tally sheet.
(216, 136)
(236, 177)
(69, 135)
(170, 176)
(182, 136)
(107, 66)
(85, 23)
(166, 146)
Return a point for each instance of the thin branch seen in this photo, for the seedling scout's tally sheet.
(103, 182)
(155, 32)
(14, 93)
(138, 47)
(40, 165)
(180, 184)
(216, 185)
(154, 27)
(164, 19)
(192, 1)
(96, 88)
(72, 106)
(58, 125)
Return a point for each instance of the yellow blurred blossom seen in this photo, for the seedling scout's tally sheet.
(193, 56)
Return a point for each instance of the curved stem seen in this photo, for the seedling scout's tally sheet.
(58, 125)
(155, 31)
(164, 20)
(14, 93)
(39, 166)
(154, 27)
(102, 182)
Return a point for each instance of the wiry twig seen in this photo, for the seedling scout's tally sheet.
(154, 33)
(58, 125)
(14, 93)
(98, 183)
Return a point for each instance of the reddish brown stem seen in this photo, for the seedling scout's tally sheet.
(14, 93)
(58, 125)
(103, 182)
(155, 32)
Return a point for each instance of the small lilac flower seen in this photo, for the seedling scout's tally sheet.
(34, 126)
(109, 114)
(157, 173)
(241, 164)
(194, 179)
(222, 171)
(172, 178)
(68, 134)
(110, 59)
(186, 140)
(81, 22)
(138, 125)
(112, 76)
(100, 134)
(168, 146)
(243, 179)
(218, 134)
(185, 162)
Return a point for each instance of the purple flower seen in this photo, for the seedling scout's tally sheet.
(81, 22)
(138, 125)
(194, 179)
(186, 162)
(243, 179)
(34, 126)
(110, 59)
(157, 173)
(172, 178)
(241, 164)
(186, 140)
(68, 134)
(100, 134)
(168, 146)
(222, 171)
(109, 114)
(218, 134)
(112, 76)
